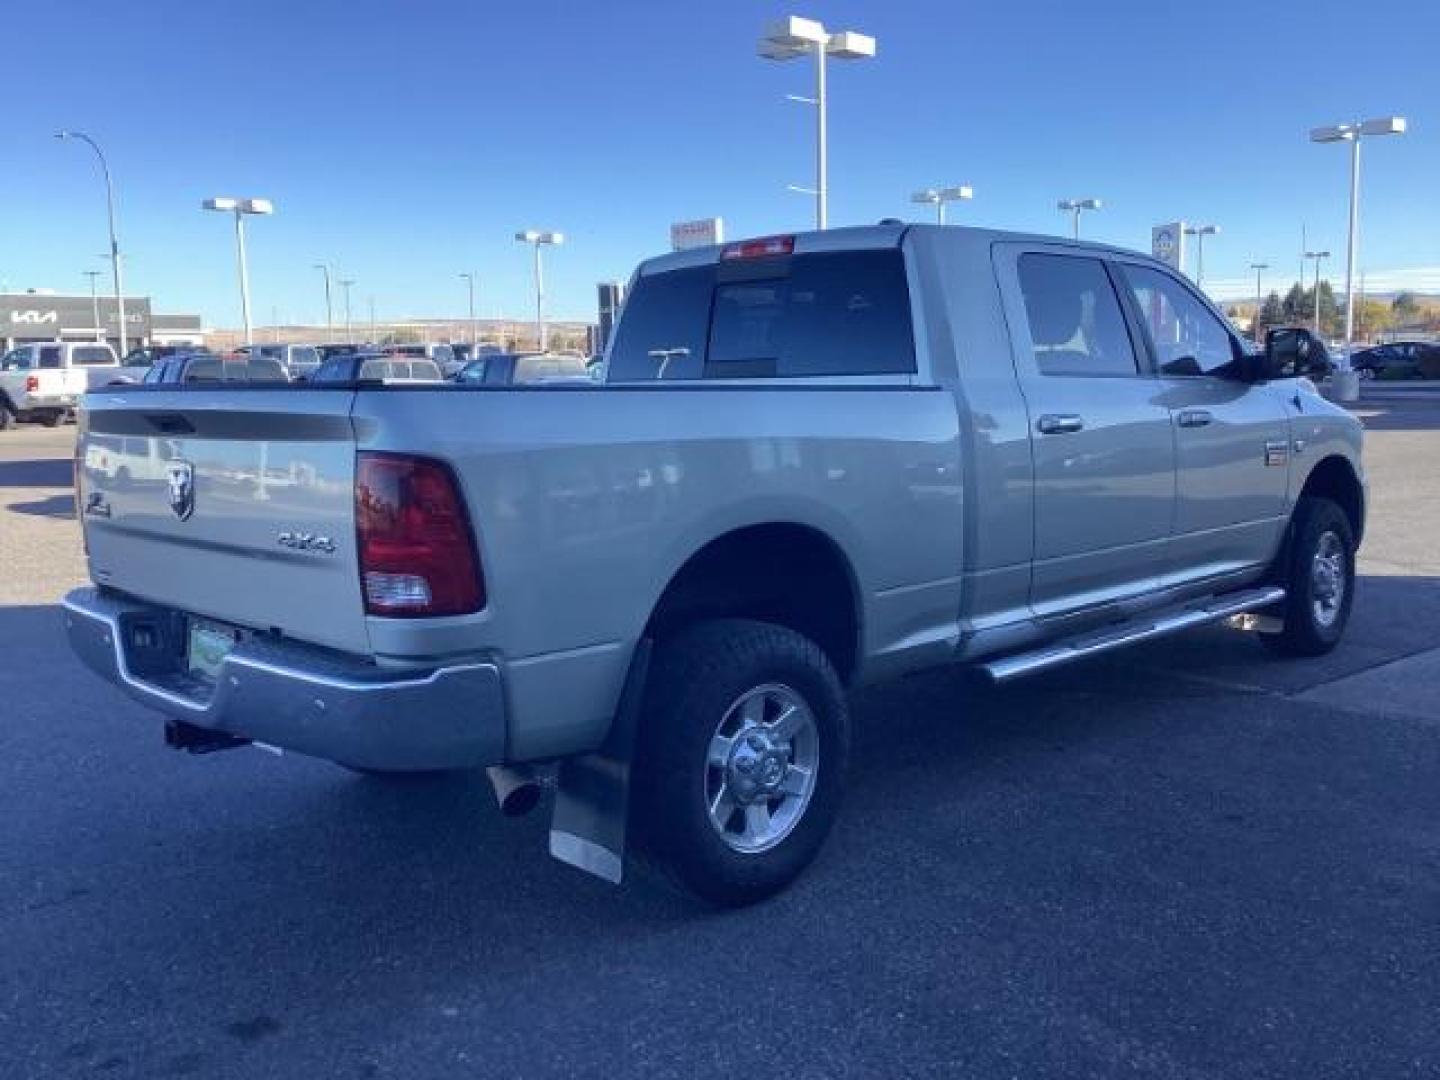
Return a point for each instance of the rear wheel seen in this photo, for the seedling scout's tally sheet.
(741, 763)
(1319, 581)
(7, 418)
(53, 418)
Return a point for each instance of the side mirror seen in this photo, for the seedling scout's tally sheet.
(1292, 351)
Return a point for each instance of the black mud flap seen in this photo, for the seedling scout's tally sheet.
(592, 795)
(197, 740)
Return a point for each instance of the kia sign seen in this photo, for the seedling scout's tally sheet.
(1167, 243)
(48, 317)
(685, 235)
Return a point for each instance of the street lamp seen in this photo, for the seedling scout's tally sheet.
(1317, 256)
(345, 284)
(241, 207)
(329, 309)
(469, 279)
(114, 244)
(1258, 267)
(537, 239)
(1352, 133)
(95, 303)
(938, 197)
(793, 37)
(1073, 207)
(1199, 232)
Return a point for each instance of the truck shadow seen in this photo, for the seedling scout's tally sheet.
(57, 506)
(211, 871)
(1398, 414)
(37, 472)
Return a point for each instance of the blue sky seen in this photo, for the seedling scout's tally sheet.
(406, 142)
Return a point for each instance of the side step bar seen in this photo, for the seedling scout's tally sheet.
(1141, 628)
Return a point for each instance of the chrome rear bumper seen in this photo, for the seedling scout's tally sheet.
(297, 697)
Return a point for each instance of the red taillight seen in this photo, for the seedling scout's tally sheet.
(759, 249)
(32, 384)
(417, 553)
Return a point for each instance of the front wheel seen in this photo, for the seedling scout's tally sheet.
(740, 768)
(1319, 581)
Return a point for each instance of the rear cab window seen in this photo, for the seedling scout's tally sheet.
(791, 316)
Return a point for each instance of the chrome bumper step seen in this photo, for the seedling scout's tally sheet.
(1152, 624)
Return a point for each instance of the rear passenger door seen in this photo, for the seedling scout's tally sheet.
(1103, 452)
(1232, 436)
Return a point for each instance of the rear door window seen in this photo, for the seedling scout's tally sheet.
(50, 356)
(1077, 326)
(820, 314)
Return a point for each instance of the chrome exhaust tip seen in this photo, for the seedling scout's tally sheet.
(517, 788)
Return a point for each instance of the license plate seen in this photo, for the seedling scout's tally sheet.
(209, 644)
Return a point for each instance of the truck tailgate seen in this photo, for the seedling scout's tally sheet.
(237, 505)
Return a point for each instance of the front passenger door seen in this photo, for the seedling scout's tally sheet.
(1232, 436)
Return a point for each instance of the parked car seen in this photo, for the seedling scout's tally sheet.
(442, 355)
(330, 349)
(300, 361)
(146, 356)
(188, 368)
(1395, 359)
(818, 461)
(376, 367)
(505, 369)
(43, 381)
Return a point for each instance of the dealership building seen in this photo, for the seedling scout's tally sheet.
(45, 316)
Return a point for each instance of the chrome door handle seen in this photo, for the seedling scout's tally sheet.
(1194, 417)
(1059, 424)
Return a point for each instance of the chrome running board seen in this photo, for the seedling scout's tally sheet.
(1141, 628)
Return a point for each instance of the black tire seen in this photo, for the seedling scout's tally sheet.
(7, 418)
(1318, 527)
(697, 680)
(52, 419)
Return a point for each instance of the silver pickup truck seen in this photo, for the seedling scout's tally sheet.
(814, 461)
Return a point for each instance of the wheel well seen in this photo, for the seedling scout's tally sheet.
(788, 574)
(1334, 479)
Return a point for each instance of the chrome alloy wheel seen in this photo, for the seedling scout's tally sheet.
(1327, 579)
(761, 768)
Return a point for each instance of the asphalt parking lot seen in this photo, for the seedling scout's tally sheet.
(1189, 860)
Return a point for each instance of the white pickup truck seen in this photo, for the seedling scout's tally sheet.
(815, 461)
(44, 381)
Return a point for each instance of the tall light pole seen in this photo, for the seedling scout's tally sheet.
(793, 37)
(469, 278)
(1317, 256)
(114, 244)
(241, 207)
(345, 284)
(1351, 133)
(373, 339)
(537, 239)
(938, 197)
(1073, 208)
(95, 304)
(1200, 232)
(1259, 294)
(329, 307)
